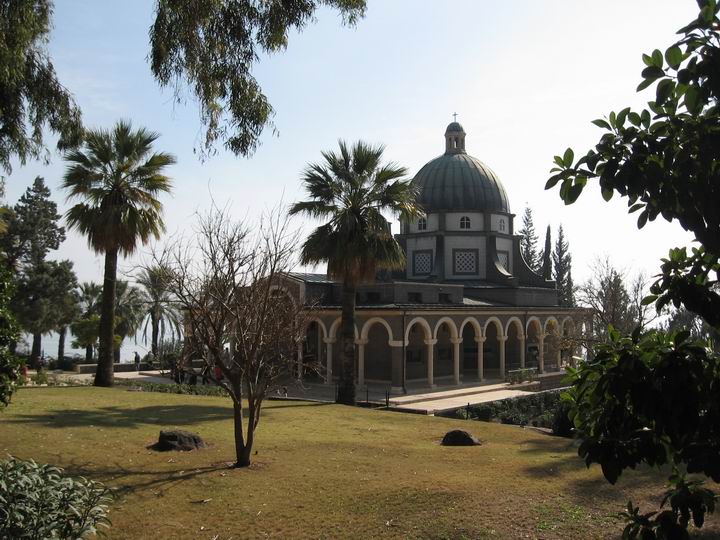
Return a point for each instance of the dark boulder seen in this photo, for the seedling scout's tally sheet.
(458, 437)
(178, 440)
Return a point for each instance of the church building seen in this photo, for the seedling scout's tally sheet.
(466, 309)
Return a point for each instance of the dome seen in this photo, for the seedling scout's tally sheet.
(457, 181)
(454, 127)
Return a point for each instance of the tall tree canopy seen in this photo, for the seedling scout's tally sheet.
(529, 241)
(32, 97)
(653, 397)
(117, 178)
(160, 313)
(562, 270)
(350, 190)
(546, 256)
(210, 48)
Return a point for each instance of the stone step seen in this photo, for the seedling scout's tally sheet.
(459, 392)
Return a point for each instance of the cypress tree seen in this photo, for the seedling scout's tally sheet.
(529, 240)
(561, 271)
(547, 256)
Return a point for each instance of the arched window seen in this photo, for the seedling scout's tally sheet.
(422, 224)
(464, 222)
(502, 225)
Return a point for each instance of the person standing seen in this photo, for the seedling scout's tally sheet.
(137, 361)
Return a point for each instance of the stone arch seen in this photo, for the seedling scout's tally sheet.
(333, 332)
(320, 323)
(423, 323)
(518, 323)
(416, 349)
(515, 343)
(569, 341)
(533, 321)
(375, 320)
(472, 321)
(471, 332)
(498, 324)
(451, 326)
(552, 342)
(284, 291)
(312, 364)
(493, 332)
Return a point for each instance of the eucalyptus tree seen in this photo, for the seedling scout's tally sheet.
(118, 178)
(160, 313)
(351, 190)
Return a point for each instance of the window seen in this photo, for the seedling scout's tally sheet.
(465, 261)
(504, 258)
(501, 225)
(415, 297)
(422, 262)
(464, 222)
(422, 224)
(373, 297)
(444, 298)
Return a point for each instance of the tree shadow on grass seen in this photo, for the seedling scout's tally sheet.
(129, 417)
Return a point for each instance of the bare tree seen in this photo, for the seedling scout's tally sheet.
(228, 282)
(615, 299)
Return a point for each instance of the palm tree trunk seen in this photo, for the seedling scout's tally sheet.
(36, 349)
(62, 332)
(346, 389)
(104, 373)
(155, 322)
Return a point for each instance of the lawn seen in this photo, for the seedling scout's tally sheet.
(321, 471)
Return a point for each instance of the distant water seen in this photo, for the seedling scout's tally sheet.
(50, 346)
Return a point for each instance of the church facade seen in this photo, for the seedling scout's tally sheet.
(466, 309)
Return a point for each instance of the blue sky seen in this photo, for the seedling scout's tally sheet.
(526, 79)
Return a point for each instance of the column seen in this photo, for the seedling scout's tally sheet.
(541, 353)
(300, 360)
(430, 361)
(501, 343)
(328, 360)
(481, 357)
(456, 358)
(361, 360)
(522, 351)
(396, 352)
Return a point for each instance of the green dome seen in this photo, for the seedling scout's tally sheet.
(457, 182)
(454, 127)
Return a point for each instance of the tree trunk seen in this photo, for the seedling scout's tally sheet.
(62, 332)
(89, 354)
(242, 453)
(346, 389)
(155, 322)
(36, 349)
(104, 374)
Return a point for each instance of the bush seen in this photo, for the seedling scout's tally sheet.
(195, 390)
(39, 501)
(41, 377)
(562, 426)
(484, 413)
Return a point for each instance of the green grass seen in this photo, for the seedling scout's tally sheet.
(321, 471)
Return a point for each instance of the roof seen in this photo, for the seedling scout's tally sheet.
(457, 182)
(311, 278)
(454, 127)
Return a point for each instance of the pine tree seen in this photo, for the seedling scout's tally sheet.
(561, 271)
(546, 256)
(529, 240)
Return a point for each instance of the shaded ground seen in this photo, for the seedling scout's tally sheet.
(321, 471)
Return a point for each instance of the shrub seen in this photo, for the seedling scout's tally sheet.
(484, 413)
(562, 426)
(40, 501)
(196, 390)
(41, 377)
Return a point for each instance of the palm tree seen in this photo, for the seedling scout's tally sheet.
(90, 294)
(160, 314)
(129, 311)
(117, 178)
(351, 189)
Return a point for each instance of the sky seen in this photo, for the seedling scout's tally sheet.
(525, 78)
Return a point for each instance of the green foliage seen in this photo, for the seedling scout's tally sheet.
(33, 99)
(562, 270)
(665, 160)
(10, 365)
(32, 227)
(529, 240)
(40, 377)
(653, 398)
(160, 313)
(40, 501)
(210, 48)
(546, 256)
